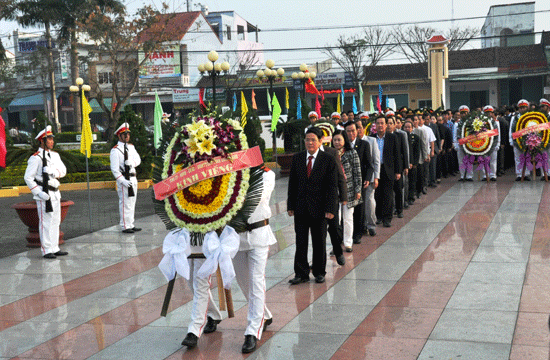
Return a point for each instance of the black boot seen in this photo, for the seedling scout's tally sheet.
(190, 340)
(249, 344)
(211, 325)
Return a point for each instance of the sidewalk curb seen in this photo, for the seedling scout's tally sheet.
(20, 190)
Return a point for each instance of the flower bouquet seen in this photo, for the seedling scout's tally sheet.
(476, 134)
(531, 134)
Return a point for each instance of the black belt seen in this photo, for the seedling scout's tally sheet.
(49, 186)
(257, 224)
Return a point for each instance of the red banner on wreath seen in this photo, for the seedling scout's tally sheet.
(477, 137)
(531, 129)
(203, 170)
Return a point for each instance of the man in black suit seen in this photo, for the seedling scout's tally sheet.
(312, 200)
(403, 161)
(363, 151)
(389, 172)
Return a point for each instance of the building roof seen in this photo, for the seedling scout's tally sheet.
(512, 58)
(173, 26)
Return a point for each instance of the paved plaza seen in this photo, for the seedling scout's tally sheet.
(464, 275)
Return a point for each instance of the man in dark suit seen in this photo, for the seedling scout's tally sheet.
(334, 228)
(363, 151)
(403, 161)
(389, 172)
(312, 200)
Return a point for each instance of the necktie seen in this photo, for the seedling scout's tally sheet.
(309, 165)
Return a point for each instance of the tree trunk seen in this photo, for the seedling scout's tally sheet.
(74, 74)
(51, 72)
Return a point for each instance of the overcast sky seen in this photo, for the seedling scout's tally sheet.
(271, 15)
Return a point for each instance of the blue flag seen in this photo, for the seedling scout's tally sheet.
(342, 102)
(299, 108)
(234, 102)
(354, 106)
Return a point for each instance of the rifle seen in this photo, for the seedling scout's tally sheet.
(127, 172)
(45, 176)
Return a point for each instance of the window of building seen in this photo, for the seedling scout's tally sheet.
(425, 104)
(228, 32)
(240, 32)
(104, 78)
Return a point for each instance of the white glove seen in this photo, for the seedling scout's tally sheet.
(125, 183)
(48, 170)
(43, 196)
(128, 162)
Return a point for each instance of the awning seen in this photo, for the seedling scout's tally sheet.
(107, 101)
(26, 101)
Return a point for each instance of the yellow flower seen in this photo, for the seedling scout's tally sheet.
(201, 188)
(194, 127)
(477, 124)
(215, 205)
(204, 133)
(192, 146)
(206, 146)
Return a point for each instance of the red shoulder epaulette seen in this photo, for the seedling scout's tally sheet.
(114, 147)
(266, 169)
(36, 153)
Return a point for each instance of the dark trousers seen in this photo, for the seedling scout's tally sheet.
(412, 183)
(336, 235)
(384, 196)
(359, 218)
(303, 224)
(398, 194)
(500, 160)
(421, 177)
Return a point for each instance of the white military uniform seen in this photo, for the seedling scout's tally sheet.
(126, 204)
(49, 222)
(517, 151)
(460, 153)
(251, 260)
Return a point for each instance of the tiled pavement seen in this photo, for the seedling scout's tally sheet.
(464, 275)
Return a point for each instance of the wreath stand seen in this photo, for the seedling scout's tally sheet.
(534, 167)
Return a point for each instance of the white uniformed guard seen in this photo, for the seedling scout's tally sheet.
(544, 105)
(126, 204)
(337, 118)
(523, 106)
(490, 112)
(49, 221)
(250, 263)
(464, 174)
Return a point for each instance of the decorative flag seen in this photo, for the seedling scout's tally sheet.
(201, 99)
(338, 105)
(234, 102)
(268, 100)
(322, 95)
(361, 107)
(157, 118)
(317, 105)
(379, 99)
(254, 106)
(298, 108)
(244, 110)
(310, 87)
(371, 105)
(287, 99)
(342, 90)
(276, 112)
(354, 106)
(86, 138)
(3, 150)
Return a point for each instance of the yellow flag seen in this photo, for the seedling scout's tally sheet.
(287, 103)
(244, 110)
(338, 106)
(86, 138)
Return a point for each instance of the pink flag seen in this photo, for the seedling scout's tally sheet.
(317, 105)
(3, 150)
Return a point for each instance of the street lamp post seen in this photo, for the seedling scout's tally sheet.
(213, 70)
(303, 75)
(271, 75)
(78, 90)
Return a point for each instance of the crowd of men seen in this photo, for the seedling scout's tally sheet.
(405, 153)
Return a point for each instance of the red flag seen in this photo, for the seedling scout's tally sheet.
(322, 95)
(3, 150)
(317, 105)
(201, 99)
(310, 87)
(254, 100)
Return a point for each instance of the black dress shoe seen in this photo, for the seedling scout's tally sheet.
(400, 215)
(405, 205)
(190, 340)
(372, 232)
(136, 229)
(518, 178)
(425, 190)
(211, 325)
(461, 180)
(61, 253)
(357, 241)
(387, 224)
(469, 180)
(527, 178)
(267, 322)
(298, 280)
(249, 344)
(341, 260)
(349, 249)
(378, 222)
(493, 179)
(50, 256)
(128, 231)
(319, 279)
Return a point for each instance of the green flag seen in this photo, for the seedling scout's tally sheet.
(269, 100)
(276, 113)
(157, 131)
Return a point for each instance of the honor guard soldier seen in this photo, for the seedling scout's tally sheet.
(490, 112)
(544, 106)
(124, 160)
(43, 171)
(523, 107)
